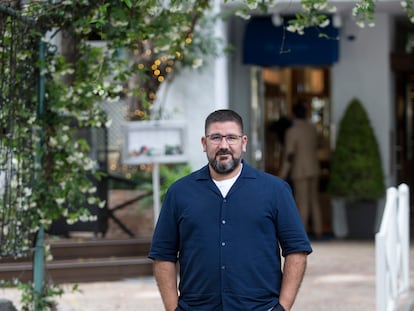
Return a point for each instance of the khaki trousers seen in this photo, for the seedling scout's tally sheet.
(306, 196)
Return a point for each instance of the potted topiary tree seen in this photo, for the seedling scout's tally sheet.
(356, 174)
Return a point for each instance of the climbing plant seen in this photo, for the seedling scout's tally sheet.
(315, 13)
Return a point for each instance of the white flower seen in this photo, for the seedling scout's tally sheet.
(89, 164)
(361, 24)
(332, 9)
(176, 8)
(242, 15)
(60, 201)
(252, 5)
(53, 142)
(291, 28)
(108, 123)
(296, 28)
(65, 138)
(84, 218)
(71, 159)
(118, 88)
(324, 23)
(306, 7)
(319, 6)
(114, 99)
(154, 10)
(119, 23)
(45, 39)
(15, 162)
(31, 120)
(70, 221)
(91, 200)
(27, 192)
(404, 4)
(14, 184)
(198, 62)
(354, 11)
(92, 190)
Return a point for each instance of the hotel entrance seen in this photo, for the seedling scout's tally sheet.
(282, 88)
(287, 68)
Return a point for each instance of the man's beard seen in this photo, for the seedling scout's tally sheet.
(224, 167)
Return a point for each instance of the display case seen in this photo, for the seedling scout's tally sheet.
(161, 141)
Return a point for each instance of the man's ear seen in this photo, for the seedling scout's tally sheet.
(203, 142)
(244, 143)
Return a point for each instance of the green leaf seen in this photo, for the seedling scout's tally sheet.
(127, 3)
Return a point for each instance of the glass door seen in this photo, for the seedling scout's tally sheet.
(283, 87)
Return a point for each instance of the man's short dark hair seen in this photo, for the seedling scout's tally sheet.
(223, 115)
(300, 110)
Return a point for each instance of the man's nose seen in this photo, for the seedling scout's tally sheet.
(223, 142)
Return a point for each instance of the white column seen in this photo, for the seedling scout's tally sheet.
(221, 85)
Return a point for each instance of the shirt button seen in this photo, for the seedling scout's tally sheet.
(223, 243)
(223, 267)
(223, 222)
(224, 200)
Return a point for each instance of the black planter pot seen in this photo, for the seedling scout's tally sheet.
(361, 217)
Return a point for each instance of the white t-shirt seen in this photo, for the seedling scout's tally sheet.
(225, 185)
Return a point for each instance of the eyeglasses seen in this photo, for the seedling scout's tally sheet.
(230, 139)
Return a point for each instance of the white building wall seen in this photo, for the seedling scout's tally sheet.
(191, 96)
(363, 71)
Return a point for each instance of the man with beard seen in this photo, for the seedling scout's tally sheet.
(228, 225)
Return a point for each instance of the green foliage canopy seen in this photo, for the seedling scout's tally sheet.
(356, 168)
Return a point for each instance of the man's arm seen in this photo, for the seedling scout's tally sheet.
(293, 272)
(165, 273)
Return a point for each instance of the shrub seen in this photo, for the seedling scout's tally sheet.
(356, 168)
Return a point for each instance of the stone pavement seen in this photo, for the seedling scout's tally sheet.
(340, 277)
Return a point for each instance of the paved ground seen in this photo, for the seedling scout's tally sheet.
(340, 277)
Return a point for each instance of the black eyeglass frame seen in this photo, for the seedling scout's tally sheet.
(228, 138)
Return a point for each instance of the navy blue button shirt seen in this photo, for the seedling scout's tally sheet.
(229, 248)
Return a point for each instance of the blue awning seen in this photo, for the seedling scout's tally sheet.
(267, 45)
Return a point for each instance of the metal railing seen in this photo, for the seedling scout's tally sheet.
(392, 246)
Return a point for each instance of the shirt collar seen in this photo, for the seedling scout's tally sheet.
(247, 172)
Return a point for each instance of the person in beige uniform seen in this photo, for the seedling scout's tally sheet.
(302, 165)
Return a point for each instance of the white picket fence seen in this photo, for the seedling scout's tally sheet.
(392, 247)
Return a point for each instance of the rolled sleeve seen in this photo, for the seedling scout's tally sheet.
(292, 234)
(165, 241)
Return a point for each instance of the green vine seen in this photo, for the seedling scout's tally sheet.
(95, 51)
